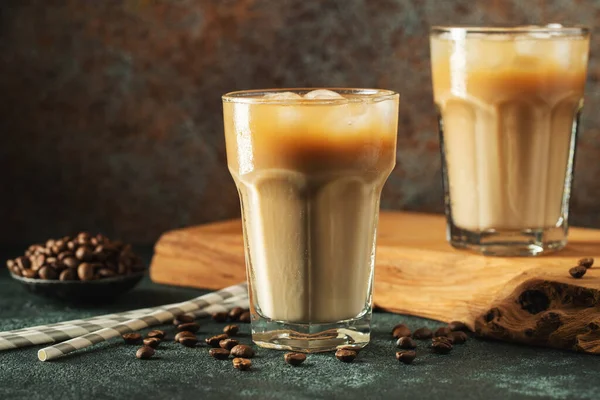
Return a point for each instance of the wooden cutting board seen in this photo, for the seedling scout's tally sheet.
(531, 300)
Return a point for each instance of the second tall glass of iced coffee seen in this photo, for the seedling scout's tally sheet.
(509, 101)
(309, 167)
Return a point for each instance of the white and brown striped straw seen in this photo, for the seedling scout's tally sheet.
(61, 331)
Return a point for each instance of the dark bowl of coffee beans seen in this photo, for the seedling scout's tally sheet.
(80, 268)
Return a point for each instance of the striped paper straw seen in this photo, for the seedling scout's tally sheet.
(117, 317)
(72, 329)
(154, 318)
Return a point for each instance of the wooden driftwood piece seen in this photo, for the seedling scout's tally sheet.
(536, 300)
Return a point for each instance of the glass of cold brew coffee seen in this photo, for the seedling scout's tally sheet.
(509, 101)
(309, 166)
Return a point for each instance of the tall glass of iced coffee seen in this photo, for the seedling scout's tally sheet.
(309, 166)
(509, 101)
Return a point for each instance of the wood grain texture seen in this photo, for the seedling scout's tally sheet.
(418, 273)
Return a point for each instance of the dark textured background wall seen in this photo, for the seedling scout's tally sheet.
(110, 113)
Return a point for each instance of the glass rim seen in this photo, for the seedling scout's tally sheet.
(362, 95)
(555, 29)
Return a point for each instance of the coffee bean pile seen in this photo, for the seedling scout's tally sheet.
(442, 340)
(83, 257)
(222, 346)
(581, 268)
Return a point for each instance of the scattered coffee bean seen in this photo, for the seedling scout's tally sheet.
(578, 271)
(346, 356)
(228, 344)
(422, 333)
(68, 274)
(189, 326)
(586, 262)
(183, 334)
(214, 340)
(219, 354)
(188, 341)
(458, 337)
(132, 338)
(441, 345)
(400, 330)
(294, 359)
(243, 351)
(183, 319)
(245, 317)
(354, 348)
(442, 331)
(156, 334)
(234, 313)
(46, 272)
(144, 352)
(231, 330)
(406, 343)
(458, 326)
(406, 357)
(152, 342)
(220, 317)
(242, 364)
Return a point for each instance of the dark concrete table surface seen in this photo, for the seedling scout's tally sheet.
(477, 370)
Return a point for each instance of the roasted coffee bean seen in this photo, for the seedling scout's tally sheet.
(406, 357)
(84, 253)
(183, 334)
(294, 359)
(70, 262)
(400, 330)
(49, 243)
(99, 253)
(38, 261)
(132, 338)
(441, 345)
(156, 333)
(578, 271)
(354, 348)
(85, 271)
(16, 270)
(422, 333)
(406, 343)
(245, 317)
(219, 354)
(68, 274)
(122, 269)
(442, 331)
(346, 356)
(144, 352)
(152, 342)
(183, 319)
(84, 236)
(23, 262)
(71, 245)
(47, 272)
(190, 327)
(10, 263)
(228, 343)
(51, 260)
(231, 329)
(64, 254)
(586, 262)
(214, 340)
(458, 337)
(234, 313)
(458, 326)
(30, 273)
(219, 317)
(242, 364)
(188, 341)
(241, 350)
(106, 273)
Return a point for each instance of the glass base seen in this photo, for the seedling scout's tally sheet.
(311, 338)
(509, 243)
